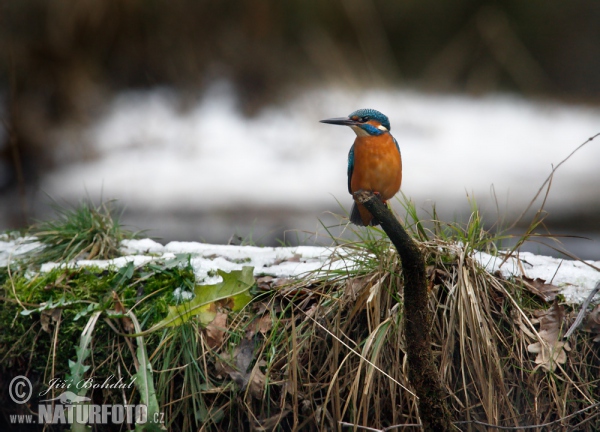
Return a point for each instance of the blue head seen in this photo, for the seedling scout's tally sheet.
(364, 122)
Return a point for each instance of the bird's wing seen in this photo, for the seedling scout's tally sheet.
(350, 167)
(396, 142)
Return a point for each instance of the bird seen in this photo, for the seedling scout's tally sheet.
(374, 160)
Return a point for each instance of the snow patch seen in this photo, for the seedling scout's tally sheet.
(577, 279)
(13, 249)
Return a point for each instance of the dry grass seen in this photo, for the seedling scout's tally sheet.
(326, 353)
(335, 354)
(334, 350)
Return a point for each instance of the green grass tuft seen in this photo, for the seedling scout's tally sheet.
(81, 231)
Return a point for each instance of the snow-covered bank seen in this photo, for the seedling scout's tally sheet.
(574, 278)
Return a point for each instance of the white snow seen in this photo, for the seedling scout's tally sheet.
(11, 249)
(291, 262)
(143, 246)
(119, 262)
(154, 154)
(576, 279)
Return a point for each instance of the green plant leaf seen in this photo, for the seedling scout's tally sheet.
(144, 382)
(234, 290)
(60, 303)
(78, 369)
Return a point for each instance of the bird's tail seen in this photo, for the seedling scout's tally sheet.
(360, 216)
(355, 216)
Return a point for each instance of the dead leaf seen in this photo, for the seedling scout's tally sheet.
(45, 320)
(436, 276)
(48, 317)
(261, 325)
(56, 313)
(264, 282)
(310, 313)
(592, 323)
(551, 350)
(257, 380)
(265, 323)
(243, 355)
(260, 308)
(294, 258)
(120, 309)
(270, 423)
(215, 331)
(355, 286)
(539, 287)
(281, 282)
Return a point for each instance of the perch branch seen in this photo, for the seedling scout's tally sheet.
(423, 374)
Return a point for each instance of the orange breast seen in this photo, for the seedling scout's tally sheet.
(377, 165)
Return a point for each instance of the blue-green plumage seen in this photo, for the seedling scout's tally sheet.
(350, 166)
(371, 130)
(372, 114)
(354, 214)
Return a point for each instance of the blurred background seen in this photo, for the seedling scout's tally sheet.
(201, 117)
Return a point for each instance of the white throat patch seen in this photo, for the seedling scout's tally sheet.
(359, 132)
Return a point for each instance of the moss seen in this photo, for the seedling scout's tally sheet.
(77, 292)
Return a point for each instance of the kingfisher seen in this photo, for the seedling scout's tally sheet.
(374, 160)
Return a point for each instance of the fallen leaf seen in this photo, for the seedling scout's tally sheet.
(269, 423)
(243, 355)
(264, 282)
(49, 316)
(261, 325)
(294, 258)
(257, 380)
(265, 323)
(56, 313)
(592, 323)
(539, 287)
(551, 350)
(281, 282)
(436, 276)
(232, 292)
(45, 320)
(355, 286)
(119, 308)
(215, 331)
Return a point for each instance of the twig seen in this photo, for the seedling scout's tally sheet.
(548, 182)
(581, 313)
(590, 139)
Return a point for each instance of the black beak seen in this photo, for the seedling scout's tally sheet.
(342, 121)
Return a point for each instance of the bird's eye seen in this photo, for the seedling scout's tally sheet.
(364, 119)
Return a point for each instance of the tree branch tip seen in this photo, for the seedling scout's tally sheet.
(362, 196)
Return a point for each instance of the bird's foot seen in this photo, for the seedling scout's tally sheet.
(378, 195)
